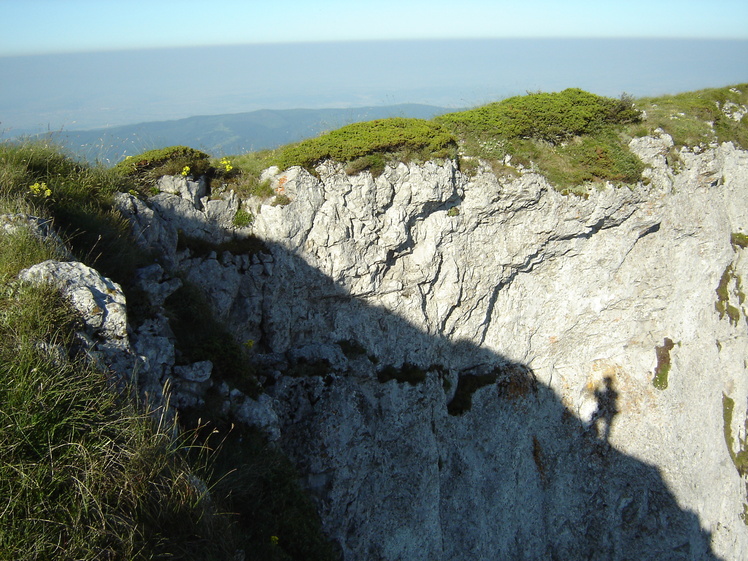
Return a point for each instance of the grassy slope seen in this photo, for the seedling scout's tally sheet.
(85, 474)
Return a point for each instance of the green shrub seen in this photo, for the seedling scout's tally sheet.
(572, 137)
(367, 145)
(550, 117)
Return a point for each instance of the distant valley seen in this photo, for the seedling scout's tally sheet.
(226, 134)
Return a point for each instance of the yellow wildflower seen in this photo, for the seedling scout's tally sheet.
(40, 190)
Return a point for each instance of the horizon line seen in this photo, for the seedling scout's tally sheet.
(134, 49)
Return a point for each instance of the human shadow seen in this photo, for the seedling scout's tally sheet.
(415, 446)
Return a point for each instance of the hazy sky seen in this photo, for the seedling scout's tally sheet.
(77, 64)
(49, 26)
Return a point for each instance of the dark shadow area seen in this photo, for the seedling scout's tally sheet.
(504, 469)
(417, 447)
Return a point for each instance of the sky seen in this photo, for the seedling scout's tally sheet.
(55, 26)
(84, 64)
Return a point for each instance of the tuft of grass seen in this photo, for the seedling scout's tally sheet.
(281, 200)
(722, 305)
(243, 218)
(80, 204)
(84, 472)
(278, 521)
(739, 457)
(662, 369)
(739, 239)
(248, 168)
(200, 336)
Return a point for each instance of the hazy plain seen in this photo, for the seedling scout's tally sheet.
(93, 90)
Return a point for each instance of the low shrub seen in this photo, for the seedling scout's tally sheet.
(550, 117)
(369, 144)
(572, 137)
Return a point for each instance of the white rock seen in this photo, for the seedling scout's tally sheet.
(185, 187)
(99, 300)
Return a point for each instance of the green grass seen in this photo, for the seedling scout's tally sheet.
(722, 305)
(145, 169)
(242, 218)
(696, 118)
(369, 145)
(740, 456)
(200, 336)
(85, 473)
(573, 137)
(80, 204)
(660, 380)
(739, 239)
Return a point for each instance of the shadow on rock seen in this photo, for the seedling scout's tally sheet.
(418, 447)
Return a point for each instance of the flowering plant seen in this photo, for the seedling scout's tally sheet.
(226, 163)
(185, 171)
(40, 190)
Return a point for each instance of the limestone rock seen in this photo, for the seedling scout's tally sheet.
(498, 382)
(258, 413)
(195, 372)
(156, 284)
(100, 301)
(185, 187)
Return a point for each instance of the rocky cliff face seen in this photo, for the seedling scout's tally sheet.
(481, 368)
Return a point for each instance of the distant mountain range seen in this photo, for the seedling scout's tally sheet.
(226, 134)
